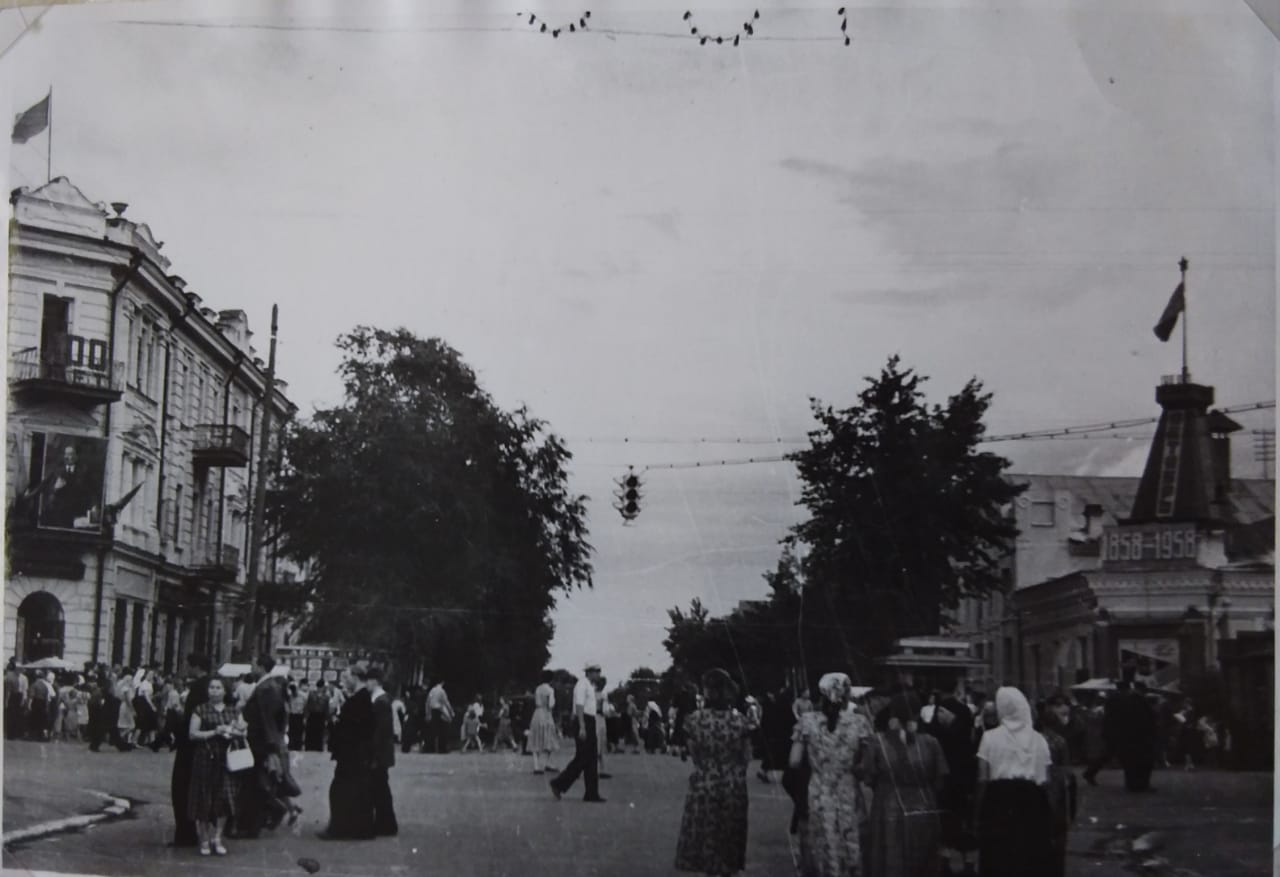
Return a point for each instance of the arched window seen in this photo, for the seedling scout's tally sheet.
(40, 627)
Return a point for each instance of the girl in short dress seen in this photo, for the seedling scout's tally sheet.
(210, 800)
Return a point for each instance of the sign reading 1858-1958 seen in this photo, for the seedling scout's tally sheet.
(1149, 544)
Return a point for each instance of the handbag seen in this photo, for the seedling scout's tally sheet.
(239, 757)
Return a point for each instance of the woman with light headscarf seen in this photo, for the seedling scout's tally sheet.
(906, 771)
(1014, 824)
(828, 740)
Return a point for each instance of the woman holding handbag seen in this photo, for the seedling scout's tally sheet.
(214, 727)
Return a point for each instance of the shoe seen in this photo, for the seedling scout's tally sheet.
(539, 771)
(204, 849)
(605, 776)
(555, 791)
(219, 849)
(596, 800)
(389, 832)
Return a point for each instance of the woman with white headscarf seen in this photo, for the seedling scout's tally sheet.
(828, 740)
(1014, 823)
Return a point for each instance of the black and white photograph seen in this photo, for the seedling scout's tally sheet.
(503, 438)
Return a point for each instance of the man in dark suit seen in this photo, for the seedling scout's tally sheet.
(351, 742)
(267, 719)
(383, 757)
(184, 834)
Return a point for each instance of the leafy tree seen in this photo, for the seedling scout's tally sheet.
(905, 515)
(905, 518)
(438, 526)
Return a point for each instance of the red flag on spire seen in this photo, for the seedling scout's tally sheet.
(1169, 319)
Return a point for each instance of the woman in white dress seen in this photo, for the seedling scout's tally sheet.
(543, 737)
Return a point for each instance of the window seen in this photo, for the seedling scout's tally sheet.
(1042, 513)
(176, 523)
(144, 353)
(1008, 660)
(135, 641)
(118, 628)
(1083, 644)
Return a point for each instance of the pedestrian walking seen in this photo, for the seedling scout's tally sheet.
(185, 834)
(504, 735)
(713, 829)
(297, 694)
(826, 745)
(350, 794)
(471, 726)
(382, 756)
(906, 771)
(584, 756)
(1061, 787)
(952, 727)
(1095, 740)
(1014, 823)
(441, 717)
(544, 739)
(603, 709)
(1134, 734)
(316, 717)
(211, 798)
(266, 714)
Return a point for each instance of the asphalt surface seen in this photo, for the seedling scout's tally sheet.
(490, 815)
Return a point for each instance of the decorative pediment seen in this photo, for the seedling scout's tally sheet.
(60, 190)
(143, 435)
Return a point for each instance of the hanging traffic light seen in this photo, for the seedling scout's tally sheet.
(628, 495)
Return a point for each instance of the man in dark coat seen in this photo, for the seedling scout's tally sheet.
(1137, 739)
(383, 757)
(351, 742)
(267, 718)
(184, 834)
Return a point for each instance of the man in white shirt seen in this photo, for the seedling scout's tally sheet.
(441, 713)
(584, 756)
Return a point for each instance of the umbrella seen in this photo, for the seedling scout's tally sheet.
(235, 671)
(857, 692)
(50, 664)
(1095, 685)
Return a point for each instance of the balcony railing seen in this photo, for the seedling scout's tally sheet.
(70, 368)
(208, 561)
(216, 444)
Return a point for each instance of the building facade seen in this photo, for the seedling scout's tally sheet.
(1155, 577)
(133, 425)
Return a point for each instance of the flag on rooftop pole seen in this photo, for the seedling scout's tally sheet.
(1169, 319)
(30, 123)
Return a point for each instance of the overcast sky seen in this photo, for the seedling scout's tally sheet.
(642, 237)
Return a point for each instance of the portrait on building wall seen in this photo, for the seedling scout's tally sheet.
(70, 482)
(1155, 662)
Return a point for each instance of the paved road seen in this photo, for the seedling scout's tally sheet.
(489, 815)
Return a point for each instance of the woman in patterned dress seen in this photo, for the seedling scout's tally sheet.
(212, 794)
(906, 770)
(543, 738)
(713, 832)
(828, 741)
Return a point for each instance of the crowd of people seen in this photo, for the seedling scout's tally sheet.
(887, 786)
(882, 784)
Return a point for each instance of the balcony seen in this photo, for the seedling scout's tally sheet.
(72, 369)
(216, 444)
(208, 562)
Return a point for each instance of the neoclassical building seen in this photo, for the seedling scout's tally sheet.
(133, 424)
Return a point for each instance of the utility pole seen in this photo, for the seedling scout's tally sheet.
(260, 496)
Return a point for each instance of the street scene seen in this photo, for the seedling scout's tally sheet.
(640, 440)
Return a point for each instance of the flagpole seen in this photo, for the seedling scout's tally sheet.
(48, 167)
(1183, 264)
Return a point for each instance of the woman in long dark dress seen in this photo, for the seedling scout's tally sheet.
(713, 832)
(351, 810)
(1014, 823)
(906, 771)
(211, 796)
(952, 727)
